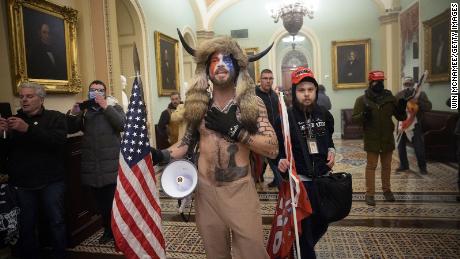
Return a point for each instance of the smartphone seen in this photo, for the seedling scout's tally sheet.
(88, 104)
(5, 110)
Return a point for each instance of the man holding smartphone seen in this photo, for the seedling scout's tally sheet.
(101, 120)
(33, 155)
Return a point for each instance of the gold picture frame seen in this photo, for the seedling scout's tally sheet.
(351, 62)
(437, 47)
(253, 67)
(167, 62)
(43, 40)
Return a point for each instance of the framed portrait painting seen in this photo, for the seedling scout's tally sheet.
(437, 47)
(43, 41)
(350, 63)
(167, 62)
(253, 67)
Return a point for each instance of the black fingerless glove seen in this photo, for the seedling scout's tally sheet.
(224, 123)
(367, 114)
(402, 104)
(408, 93)
(160, 156)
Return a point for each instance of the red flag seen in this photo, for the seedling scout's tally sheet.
(136, 212)
(282, 234)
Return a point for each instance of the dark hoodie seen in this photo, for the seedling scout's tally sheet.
(270, 100)
(322, 127)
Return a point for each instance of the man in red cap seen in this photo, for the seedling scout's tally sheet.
(374, 110)
(311, 128)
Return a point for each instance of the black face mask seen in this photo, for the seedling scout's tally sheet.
(378, 87)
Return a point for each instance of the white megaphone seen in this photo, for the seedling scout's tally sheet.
(179, 179)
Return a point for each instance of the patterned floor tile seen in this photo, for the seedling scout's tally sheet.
(419, 198)
(183, 241)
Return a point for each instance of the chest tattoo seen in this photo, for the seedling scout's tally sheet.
(232, 172)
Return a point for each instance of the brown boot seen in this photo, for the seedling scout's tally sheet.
(389, 196)
(370, 200)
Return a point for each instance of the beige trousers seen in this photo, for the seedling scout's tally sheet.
(385, 161)
(231, 208)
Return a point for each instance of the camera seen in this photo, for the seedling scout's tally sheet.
(88, 104)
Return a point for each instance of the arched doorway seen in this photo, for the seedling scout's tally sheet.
(291, 60)
(129, 31)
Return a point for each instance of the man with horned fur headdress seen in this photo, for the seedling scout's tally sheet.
(229, 125)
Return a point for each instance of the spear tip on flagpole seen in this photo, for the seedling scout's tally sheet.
(136, 62)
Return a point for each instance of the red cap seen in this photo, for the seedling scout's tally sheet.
(301, 73)
(376, 75)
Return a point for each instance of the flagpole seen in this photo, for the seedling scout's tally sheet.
(296, 231)
(291, 176)
(415, 96)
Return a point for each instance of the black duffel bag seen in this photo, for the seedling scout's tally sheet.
(335, 195)
(334, 190)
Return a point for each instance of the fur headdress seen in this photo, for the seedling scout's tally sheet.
(197, 98)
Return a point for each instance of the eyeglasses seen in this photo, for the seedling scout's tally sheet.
(96, 90)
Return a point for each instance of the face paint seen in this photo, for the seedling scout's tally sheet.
(221, 68)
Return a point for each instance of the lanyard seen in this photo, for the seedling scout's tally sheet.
(308, 125)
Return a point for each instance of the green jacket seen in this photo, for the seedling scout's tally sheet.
(378, 131)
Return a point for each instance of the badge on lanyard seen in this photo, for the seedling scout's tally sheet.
(311, 141)
(312, 146)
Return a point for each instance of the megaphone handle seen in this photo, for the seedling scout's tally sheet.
(187, 219)
(191, 206)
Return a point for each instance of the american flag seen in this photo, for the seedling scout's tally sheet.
(136, 212)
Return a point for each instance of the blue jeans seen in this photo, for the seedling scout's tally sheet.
(50, 200)
(419, 148)
(313, 227)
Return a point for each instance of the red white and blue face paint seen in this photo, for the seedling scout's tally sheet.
(221, 69)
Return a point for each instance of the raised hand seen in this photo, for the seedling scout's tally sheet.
(408, 93)
(101, 101)
(224, 123)
(17, 124)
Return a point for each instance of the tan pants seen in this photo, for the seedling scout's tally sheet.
(385, 161)
(233, 207)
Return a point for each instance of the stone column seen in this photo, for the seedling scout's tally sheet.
(390, 50)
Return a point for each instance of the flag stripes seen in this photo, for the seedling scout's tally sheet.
(136, 211)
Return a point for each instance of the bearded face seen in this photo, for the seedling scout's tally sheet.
(221, 69)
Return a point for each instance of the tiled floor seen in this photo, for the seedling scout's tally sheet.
(424, 222)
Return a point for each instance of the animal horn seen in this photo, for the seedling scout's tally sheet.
(187, 47)
(258, 56)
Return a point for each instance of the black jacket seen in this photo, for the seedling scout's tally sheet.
(100, 148)
(271, 103)
(36, 158)
(322, 127)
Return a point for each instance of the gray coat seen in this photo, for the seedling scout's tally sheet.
(100, 145)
